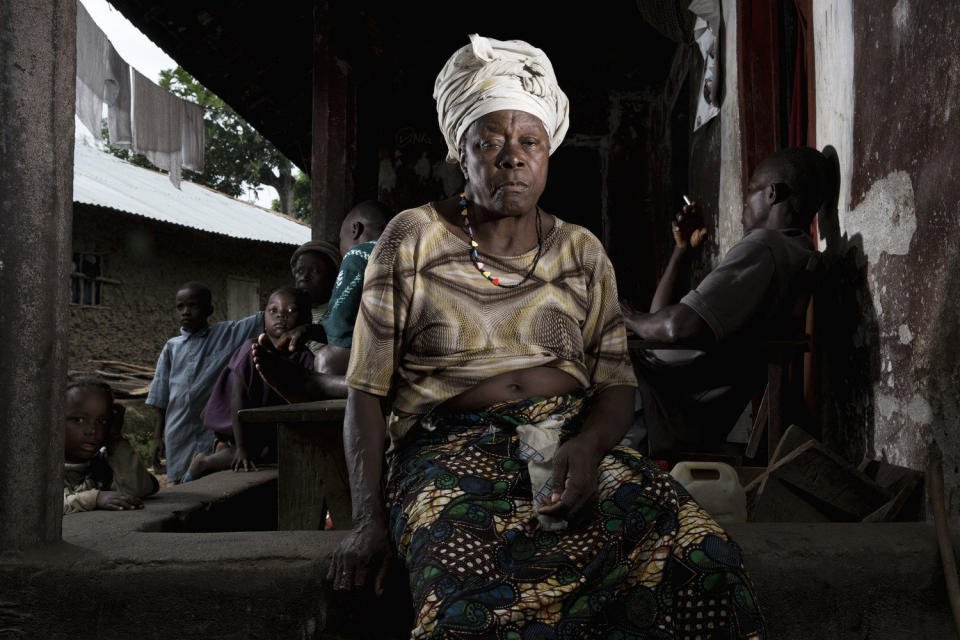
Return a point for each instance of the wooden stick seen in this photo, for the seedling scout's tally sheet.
(117, 363)
(935, 474)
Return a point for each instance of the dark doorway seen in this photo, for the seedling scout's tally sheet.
(574, 188)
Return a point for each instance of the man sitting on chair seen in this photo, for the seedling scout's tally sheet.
(692, 398)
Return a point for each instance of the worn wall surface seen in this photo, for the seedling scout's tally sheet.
(888, 92)
(151, 260)
(38, 54)
(730, 203)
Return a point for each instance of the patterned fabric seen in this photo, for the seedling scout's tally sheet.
(644, 561)
(345, 298)
(317, 313)
(430, 317)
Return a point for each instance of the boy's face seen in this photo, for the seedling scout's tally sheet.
(281, 314)
(314, 272)
(192, 310)
(88, 418)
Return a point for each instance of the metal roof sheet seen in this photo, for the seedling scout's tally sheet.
(104, 180)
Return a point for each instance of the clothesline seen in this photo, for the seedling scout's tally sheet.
(141, 115)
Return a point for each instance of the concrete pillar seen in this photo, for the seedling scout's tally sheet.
(38, 50)
(334, 130)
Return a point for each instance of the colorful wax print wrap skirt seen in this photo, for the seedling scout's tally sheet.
(643, 561)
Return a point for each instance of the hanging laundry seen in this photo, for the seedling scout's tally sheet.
(192, 136)
(91, 71)
(157, 125)
(116, 94)
(705, 32)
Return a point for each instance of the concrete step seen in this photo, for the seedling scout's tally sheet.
(139, 575)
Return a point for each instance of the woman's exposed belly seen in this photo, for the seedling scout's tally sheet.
(514, 385)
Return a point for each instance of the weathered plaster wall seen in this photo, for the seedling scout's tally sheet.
(151, 260)
(888, 91)
(730, 205)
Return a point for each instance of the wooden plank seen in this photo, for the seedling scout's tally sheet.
(313, 474)
(778, 502)
(775, 385)
(824, 478)
(886, 474)
(906, 484)
(333, 140)
(793, 438)
(893, 509)
(321, 411)
(748, 475)
(139, 368)
(759, 425)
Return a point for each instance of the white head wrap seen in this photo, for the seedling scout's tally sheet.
(490, 75)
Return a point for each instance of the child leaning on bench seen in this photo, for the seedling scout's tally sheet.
(100, 470)
(241, 387)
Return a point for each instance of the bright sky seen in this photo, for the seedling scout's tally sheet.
(145, 57)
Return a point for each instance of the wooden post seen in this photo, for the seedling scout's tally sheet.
(333, 150)
(37, 88)
(313, 471)
(757, 57)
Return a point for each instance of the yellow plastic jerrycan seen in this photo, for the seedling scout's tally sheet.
(715, 486)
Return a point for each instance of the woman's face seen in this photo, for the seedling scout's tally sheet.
(504, 158)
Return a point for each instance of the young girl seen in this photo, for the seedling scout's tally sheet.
(241, 387)
(101, 470)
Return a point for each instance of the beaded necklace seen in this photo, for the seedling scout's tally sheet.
(475, 246)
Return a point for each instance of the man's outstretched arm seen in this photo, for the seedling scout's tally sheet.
(674, 324)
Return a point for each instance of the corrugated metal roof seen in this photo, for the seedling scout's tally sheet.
(102, 179)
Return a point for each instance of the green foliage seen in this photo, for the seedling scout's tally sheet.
(301, 198)
(235, 155)
(125, 154)
(138, 426)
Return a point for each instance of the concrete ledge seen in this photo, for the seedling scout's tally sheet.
(125, 575)
(848, 580)
(184, 508)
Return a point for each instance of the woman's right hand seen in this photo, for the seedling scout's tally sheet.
(688, 228)
(366, 547)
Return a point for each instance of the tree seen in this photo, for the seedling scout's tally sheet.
(235, 155)
(301, 198)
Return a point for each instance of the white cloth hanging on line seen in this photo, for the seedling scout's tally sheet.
(192, 136)
(92, 47)
(706, 33)
(116, 94)
(141, 115)
(157, 126)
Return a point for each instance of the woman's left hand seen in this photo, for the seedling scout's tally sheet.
(574, 476)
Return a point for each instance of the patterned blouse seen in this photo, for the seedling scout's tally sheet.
(431, 326)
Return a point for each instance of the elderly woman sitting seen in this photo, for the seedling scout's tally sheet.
(494, 328)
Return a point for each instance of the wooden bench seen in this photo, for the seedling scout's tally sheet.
(312, 469)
